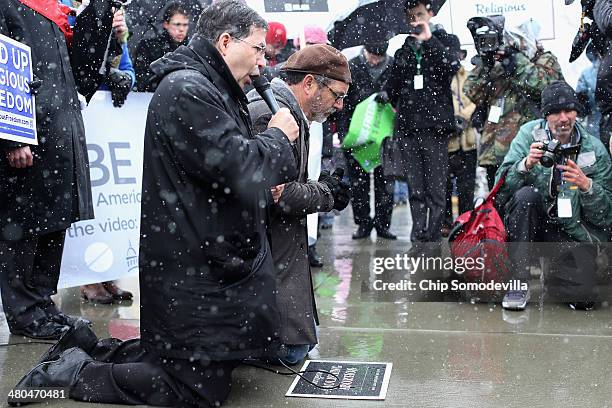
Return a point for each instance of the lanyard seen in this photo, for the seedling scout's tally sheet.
(418, 54)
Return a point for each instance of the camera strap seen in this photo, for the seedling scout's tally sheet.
(418, 55)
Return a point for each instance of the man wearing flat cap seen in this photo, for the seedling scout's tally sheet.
(568, 202)
(317, 79)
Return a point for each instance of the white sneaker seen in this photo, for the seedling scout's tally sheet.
(516, 299)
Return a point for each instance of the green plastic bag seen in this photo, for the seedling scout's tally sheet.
(370, 124)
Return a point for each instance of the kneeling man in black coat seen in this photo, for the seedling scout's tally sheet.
(207, 280)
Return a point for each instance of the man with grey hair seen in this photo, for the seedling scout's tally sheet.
(207, 281)
(316, 81)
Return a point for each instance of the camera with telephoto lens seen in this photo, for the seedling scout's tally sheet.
(488, 33)
(555, 153)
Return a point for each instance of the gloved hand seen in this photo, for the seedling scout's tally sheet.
(120, 84)
(340, 190)
(382, 97)
(34, 85)
(488, 61)
(508, 60)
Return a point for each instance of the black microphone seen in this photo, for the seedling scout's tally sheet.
(262, 86)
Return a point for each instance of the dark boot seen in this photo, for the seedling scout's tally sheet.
(43, 329)
(67, 320)
(313, 258)
(385, 233)
(80, 335)
(116, 292)
(363, 231)
(63, 372)
(96, 293)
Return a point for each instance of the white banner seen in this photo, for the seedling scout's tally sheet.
(516, 12)
(106, 247)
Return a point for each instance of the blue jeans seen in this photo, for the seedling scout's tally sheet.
(292, 354)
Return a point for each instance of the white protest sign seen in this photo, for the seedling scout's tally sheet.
(17, 110)
(106, 247)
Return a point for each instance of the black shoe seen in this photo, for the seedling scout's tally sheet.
(386, 234)
(586, 306)
(67, 320)
(363, 231)
(80, 335)
(313, 258)
(42, 329)
(63, 372)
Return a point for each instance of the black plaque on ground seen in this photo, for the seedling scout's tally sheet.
(356, 380)
(280, 6)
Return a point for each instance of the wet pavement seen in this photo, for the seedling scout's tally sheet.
(444, 353)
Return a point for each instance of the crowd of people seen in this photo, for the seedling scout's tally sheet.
(227, 229)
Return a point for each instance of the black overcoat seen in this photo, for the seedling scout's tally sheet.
(56, 190)
(431, 106)
(207, 280)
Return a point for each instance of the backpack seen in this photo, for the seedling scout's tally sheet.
(480, 235)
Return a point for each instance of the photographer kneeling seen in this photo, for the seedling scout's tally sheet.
(558, 189)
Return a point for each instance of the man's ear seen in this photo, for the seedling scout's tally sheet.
(223, 42)
(309, 84)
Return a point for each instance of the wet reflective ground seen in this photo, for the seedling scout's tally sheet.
(444, 353)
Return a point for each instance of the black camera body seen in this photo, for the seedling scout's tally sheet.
(488, 33)
(555, 153)
(416, 30)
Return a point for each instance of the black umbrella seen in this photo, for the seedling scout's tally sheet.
(91, 45)
(375, 21)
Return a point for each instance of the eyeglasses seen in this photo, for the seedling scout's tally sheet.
(339, 97)
(261, 49)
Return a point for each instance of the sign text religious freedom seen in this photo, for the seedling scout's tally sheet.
(17, 110)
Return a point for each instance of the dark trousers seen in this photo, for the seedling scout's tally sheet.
(531, 233)
(491, 171)
(426, 159)
(605, 130)
(29, 272)
(462, 168)
(360, 199)
(125, 373)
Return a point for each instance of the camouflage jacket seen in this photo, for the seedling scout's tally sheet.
(464, 108)
(518, 95)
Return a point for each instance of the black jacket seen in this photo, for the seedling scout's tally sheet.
(603, 93)
(362, 87)
(207, 280)
(56, 190)
(147, 52)
(432, 106)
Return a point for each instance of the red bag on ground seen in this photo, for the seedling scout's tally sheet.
(480, 235)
